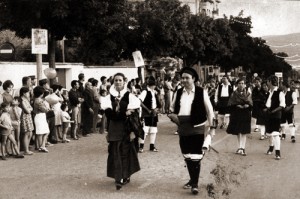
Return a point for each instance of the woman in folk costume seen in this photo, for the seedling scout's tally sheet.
(122, 159)
(240, 104)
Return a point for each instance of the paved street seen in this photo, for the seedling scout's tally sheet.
(78, 170)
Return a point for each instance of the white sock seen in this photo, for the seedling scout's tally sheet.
(243, 140)
(207, 141)
(226, 119)
(276, 142)
(239, 140)
(292, 130)
(282, 129)
(152, 138)
(271, 141)
(262, 129)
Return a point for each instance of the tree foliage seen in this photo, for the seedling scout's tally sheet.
(110, 30)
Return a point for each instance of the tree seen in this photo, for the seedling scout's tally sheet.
(61, 18)
(159, 28)
(105, 32)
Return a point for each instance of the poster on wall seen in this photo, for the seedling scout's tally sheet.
(138, 58)
(39, 41)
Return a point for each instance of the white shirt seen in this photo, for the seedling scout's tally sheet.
(186, 105)
(134, 102)
(281, 98)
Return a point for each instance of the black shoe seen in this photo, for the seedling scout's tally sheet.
(19, 156)
(194, 189)
(277, 154)
(154, 150)
(293, 139)
(187, 185)
(270, 150)
(243, 152)
(53, 141)
(283, 137)
(126, 181)
(118, 185)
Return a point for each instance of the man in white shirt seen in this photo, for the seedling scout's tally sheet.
(150, 108)
(288, 111)
(275, 103)
(222, 96)
(193, 107)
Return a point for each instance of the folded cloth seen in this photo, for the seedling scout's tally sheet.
(173, 117)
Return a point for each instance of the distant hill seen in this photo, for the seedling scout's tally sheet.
(289, 44)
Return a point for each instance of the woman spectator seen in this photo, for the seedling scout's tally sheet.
(57, 110)
(122, 155)
(240, 104)
(40, 121)
(26, 119)
(8, 88)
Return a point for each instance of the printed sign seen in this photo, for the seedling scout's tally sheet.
(39, 41)
(138, 58)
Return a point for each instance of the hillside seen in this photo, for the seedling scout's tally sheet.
(289, 44)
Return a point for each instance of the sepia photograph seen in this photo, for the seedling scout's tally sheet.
(149, 99)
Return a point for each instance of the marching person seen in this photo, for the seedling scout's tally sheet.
(222, 95)
(150, 108)
(240, 103)
(193, 107)
(288, 111)
(275, 103)
(122, 159)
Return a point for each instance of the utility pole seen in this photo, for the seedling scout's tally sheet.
(39, 58)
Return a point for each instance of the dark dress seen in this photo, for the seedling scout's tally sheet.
(240, 118)
(122, 159)
(87, 116)
(259, 105)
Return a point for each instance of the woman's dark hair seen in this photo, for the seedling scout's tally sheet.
(94, 82)
(63, 106)
(91, 79)
(119, 74)
(24, 90)
(7, 84)
(239, 80)
(38, 91)
(103, 78)
(4, 104)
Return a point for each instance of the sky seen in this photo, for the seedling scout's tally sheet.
(269, 17)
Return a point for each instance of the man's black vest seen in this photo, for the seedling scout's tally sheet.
(148, 100)
(198, 111)
(289, 98)
(230, 90)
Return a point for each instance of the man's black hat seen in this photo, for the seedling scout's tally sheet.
(190, 71)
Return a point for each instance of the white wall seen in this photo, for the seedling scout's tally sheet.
(15, 71)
